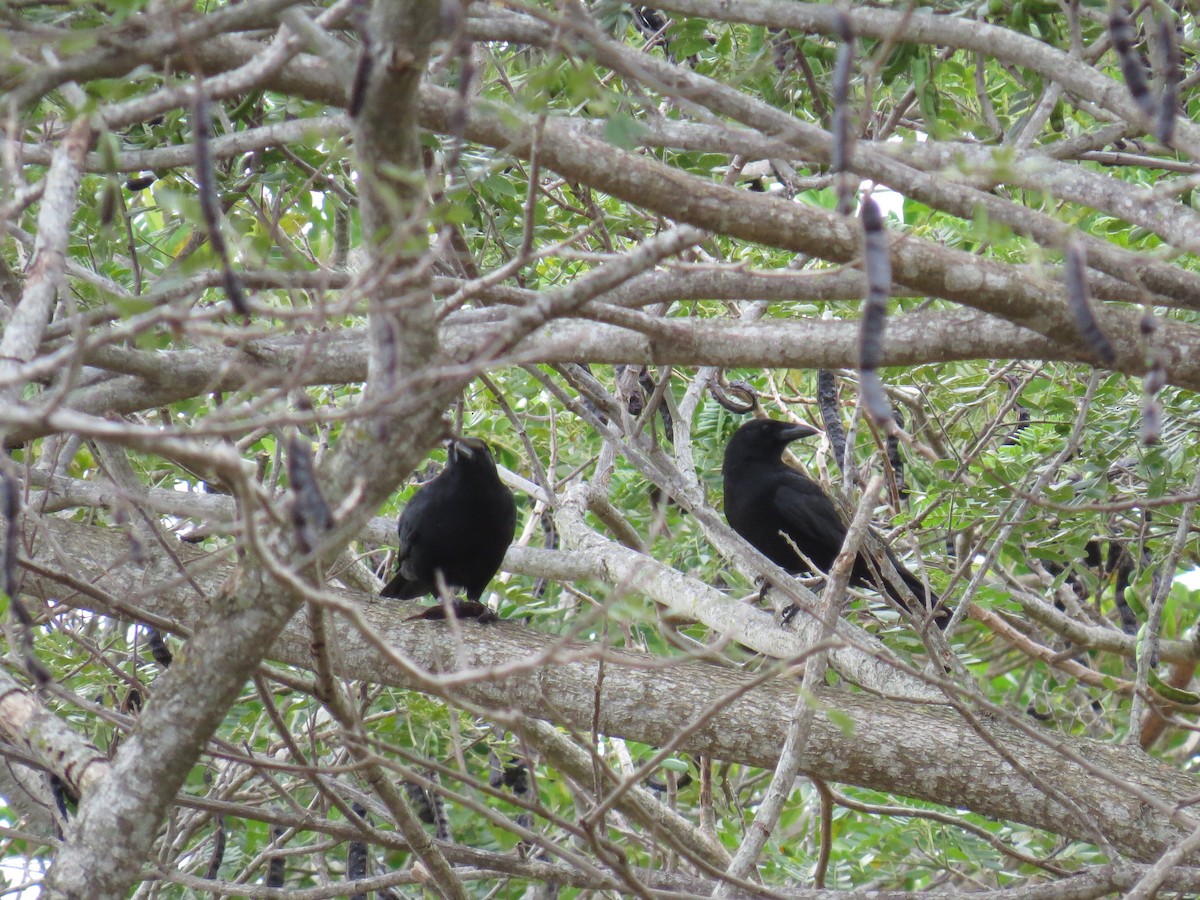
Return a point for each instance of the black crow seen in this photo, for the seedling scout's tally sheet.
(779, 510)
(458, 526)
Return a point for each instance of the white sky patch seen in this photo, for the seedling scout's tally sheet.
(891, 203)
(22, 877)
(1189, 579)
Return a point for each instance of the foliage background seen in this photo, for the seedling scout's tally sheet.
(598, 192)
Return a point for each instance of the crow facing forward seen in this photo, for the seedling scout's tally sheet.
(779, 511)
(457, 527)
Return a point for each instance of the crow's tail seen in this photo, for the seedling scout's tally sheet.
(930, 600)
(403, 589)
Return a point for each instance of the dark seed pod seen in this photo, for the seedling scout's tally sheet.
(158, 647)
(310, 513)
(110, 197)
(218, 851)
(1168, 97)
(842, 144)
(210, 206)
(277, 866)
(1151, 420)
(140, 183)
(878, 267)
(1080, 305)
(831, 417)
(1120, 30)
(356, 854)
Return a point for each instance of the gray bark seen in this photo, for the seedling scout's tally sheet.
(925, 751)
(119, 820)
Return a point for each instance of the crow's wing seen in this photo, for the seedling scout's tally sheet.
(808, 517)
(413, 574)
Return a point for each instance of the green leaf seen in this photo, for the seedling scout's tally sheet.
(840, 719)
(622, 131)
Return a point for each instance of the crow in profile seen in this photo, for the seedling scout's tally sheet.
(779, 511)
(457, 527)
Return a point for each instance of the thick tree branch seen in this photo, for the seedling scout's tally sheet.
(218, 513)
(915, 750)
(982, 284)
(118, 822)
(25, 722)
(341, 358)
(923, 27)
(23, 331)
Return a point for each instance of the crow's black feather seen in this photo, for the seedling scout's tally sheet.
(458, 525)
(780, 511)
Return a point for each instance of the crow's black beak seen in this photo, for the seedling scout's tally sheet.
(459, 447)
(795, 432)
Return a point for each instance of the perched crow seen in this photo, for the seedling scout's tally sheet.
(459, 525)
(765, 499)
